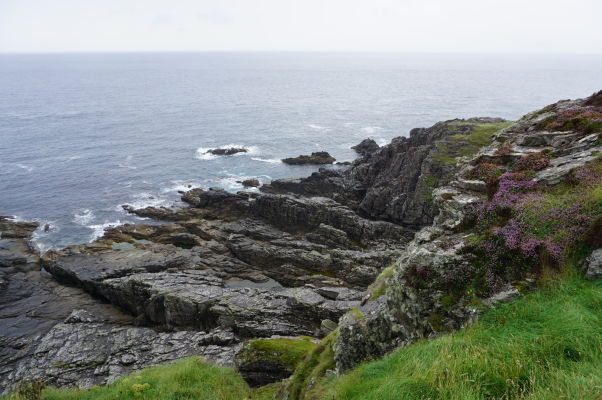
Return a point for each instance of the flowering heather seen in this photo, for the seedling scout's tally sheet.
(582, 119)
(511, 190)
(525, 223)
(420, 276)
(460, 276)
(532, 162)
(534, 219)
(486, 172)
(504, 149)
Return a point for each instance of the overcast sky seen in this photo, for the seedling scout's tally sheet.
(491, 26)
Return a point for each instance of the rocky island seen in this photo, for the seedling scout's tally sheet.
(412, 240)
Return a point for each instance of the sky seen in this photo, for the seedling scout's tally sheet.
(455, 26)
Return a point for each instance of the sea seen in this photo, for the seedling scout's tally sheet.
(83, 134)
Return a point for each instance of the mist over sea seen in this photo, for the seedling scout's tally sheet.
(80, 135)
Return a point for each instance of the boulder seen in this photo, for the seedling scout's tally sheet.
(365, 147)
(251, 182)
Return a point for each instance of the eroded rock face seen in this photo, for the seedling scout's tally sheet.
(412, 306)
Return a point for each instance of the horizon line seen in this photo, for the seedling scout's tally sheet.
(372, 52)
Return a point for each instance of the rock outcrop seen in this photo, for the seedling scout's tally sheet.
(394, 182)
(423, 297)
(365, 147)
(320, 157)
(292, 260)
(63, 336)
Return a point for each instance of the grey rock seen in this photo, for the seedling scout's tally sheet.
(366, 146)
(328, 326)
(251, 182)
(320, 157)
(227, 151)
(593, 265)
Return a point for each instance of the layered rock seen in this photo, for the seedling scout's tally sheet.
(63, 336)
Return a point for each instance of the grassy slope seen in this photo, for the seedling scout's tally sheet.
(548, 345)
(189, 378)
(460, 145)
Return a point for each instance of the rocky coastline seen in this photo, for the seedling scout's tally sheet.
(298, 258)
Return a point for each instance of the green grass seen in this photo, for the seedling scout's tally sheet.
(315, 365)
(379, 286)
(547, 345)
(461, 145)
(189, 378)
(288, 352)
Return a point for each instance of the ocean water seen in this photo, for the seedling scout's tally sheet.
(81, 135)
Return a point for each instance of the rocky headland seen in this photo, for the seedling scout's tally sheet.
(371, 256)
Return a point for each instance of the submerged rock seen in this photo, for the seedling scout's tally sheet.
(320, 157)
(227, 151)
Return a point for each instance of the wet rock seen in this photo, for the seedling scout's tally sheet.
(226, 151)
(251, 183)
(320, 157)
(86, 354)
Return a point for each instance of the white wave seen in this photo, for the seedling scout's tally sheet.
(319, 128)
(68, 114)
(381, 141)
(28, 168)
(371, 129)
(45, 228)
(41, 247)
(181, 186)
(99, 230)
(350, 123)
(202, 152)
(127, 163)
(71, 158)
(234, 182)
(83, 217)
(267, 160)
(145, 199)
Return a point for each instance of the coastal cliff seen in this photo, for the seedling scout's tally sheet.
(367, 258)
